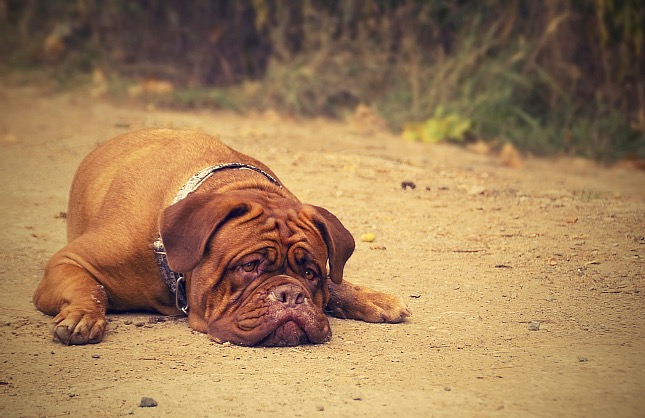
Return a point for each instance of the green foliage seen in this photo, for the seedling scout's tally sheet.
(441, 126)
(194, 98)
(551, 77)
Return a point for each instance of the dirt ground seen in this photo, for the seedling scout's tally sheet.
(526, 284)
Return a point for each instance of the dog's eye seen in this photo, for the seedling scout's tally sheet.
(310, 274)
(250, 266)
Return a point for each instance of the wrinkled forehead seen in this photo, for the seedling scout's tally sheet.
(281, 222)
(292, 225)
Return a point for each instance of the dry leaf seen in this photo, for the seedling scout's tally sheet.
(510, 156)
(480, 147)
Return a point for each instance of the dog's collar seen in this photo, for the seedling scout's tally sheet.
(176, 281)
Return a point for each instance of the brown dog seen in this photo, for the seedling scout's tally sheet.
(234, 249)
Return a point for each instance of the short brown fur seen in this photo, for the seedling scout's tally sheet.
(121, 199)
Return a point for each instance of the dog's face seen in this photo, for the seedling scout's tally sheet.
(256, 265)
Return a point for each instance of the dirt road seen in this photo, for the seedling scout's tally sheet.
(526, 285)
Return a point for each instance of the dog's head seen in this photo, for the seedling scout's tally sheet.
(256, 265)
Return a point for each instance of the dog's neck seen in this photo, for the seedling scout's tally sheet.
(176, 281)
(198, 179)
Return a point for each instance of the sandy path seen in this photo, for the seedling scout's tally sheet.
(477, 250)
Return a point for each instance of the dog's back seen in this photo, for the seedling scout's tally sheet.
(126, 170)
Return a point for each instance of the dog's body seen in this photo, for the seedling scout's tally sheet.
(255, 259)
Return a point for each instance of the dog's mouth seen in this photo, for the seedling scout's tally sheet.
(289, 334)
(288, 327)
(264, 320)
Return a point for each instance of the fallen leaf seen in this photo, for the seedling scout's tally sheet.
(9, 138)
(368, 237)
(480, 147)
(510, 156)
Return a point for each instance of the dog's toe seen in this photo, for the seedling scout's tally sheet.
(396, 314)
(79, 327)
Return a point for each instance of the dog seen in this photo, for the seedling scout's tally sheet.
(174, 221)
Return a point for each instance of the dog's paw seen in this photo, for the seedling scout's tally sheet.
(358, 302)
(78, 326)
(380, 307)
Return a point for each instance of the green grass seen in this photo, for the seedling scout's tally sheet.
(491, 83)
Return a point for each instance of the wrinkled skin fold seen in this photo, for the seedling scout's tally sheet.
(272, 289)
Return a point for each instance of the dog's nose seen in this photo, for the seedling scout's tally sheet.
(288, 294)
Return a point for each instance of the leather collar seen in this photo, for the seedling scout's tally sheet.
(176, 281)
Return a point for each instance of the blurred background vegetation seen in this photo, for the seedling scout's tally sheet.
(551, 76)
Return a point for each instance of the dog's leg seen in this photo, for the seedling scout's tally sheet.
(77, 301)
(359, 302)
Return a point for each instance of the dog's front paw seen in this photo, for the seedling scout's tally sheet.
(387, 308)
(379, 307)
(79, 326)
(359, 302)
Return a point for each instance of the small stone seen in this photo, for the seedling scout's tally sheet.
(447, 388)
(96, 356)
(476, 190)
(147, 402)
(534, 326)
(582, 359)
(320, 408)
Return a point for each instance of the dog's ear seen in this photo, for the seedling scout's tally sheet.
(186, 226)
(339, 241)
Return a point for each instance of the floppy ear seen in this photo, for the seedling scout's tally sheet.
(339, 241)
(187, 226)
